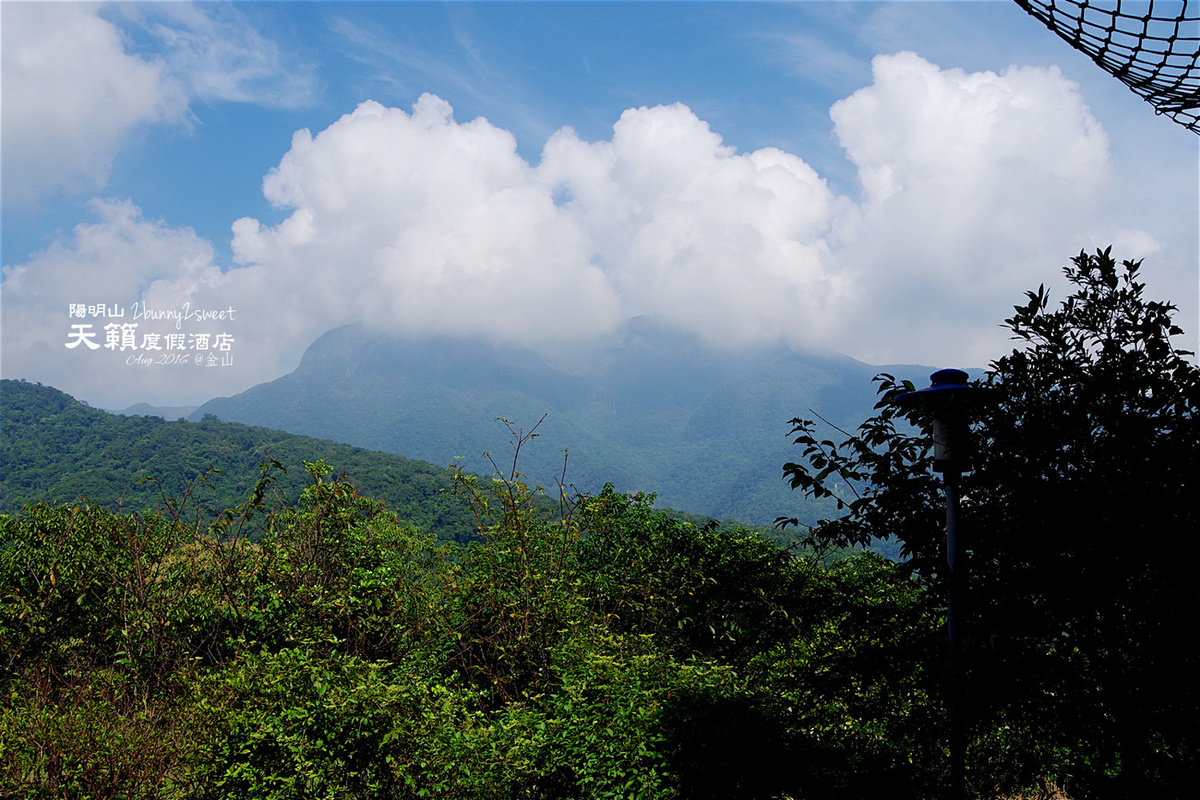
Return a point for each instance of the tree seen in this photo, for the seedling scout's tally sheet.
(1078, 517)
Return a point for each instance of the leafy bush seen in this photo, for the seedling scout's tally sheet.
(98, 735)
(584, 647)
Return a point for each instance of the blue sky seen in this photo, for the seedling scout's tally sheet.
(880, 179)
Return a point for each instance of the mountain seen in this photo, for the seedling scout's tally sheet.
(147, 410)
(58, 450)
(651, 409)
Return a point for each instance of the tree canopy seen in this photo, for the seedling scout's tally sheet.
(1078, 516)
(594, 649)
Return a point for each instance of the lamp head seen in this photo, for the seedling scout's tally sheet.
(949, 422)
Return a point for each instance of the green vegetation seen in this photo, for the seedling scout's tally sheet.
(591, 648)
(317, 644)
(1079, 517)
(652, 411)
(58, 450)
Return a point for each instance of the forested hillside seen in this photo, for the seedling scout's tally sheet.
(57, 450)
(651, 410)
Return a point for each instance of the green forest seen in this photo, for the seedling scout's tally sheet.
(309, 641)
(58, 450)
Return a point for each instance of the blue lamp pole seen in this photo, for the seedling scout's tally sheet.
(945, 399)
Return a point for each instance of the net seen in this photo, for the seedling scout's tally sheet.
(1152, 47)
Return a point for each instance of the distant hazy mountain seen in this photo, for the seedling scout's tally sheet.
(651, 409)
(147, 410)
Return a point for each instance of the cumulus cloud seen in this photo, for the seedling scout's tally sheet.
(454, 233)
(71, 96)
(974, 188)
(973, 184)
(117, 260)
(417, 223)
(971, 181)
(73, 92)
(734, 248)
(122, 261)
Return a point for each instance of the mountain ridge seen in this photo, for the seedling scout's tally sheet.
(654, 411)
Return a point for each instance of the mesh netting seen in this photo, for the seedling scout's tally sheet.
(1151, 46)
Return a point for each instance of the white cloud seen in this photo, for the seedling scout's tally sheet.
(119, 259)
(71, 96)
(418, 223)
(215, 50)
(122, 258)
(956, 138)
(975, 185)
(731, 247)
(74, 91)
(976, 188)
(121, 253)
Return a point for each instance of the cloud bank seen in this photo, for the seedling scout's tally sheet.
(75, 90)
(975, 187)
(72, 96)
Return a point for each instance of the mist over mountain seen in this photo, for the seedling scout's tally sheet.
(147, 410)
(649, 409)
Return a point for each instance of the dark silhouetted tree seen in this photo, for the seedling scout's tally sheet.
(1080, 521)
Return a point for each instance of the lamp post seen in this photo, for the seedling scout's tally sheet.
(945, 399)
